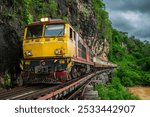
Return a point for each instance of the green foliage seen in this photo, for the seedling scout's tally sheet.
(146, 78)
(134, 45)
(128, 76)
(86, 12)
(10, 14)
(104, 28)
(133, 58)
(118, 46)
(146, 50)
(70, 2)
(7, 81)
(77, 27)
(53, 8)
(26, 16)
(126, 81)
(117, 52)
(42, 8)
(144, 63)
(65, 18)
(131, 74)
(114, 91)
(34, 9)
(119, 37)
(131, 55)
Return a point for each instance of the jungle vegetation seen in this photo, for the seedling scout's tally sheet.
(132, 57)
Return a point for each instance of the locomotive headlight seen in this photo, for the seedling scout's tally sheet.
(62, 51)
(56, 51)
(28, 53)
(45, 19)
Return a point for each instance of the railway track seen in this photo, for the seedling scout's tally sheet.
(78, 93)
(68, 90)
(35, 92)
(9, 94)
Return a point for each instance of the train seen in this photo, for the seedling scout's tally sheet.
(54, 52)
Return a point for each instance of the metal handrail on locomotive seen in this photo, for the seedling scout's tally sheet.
(54, 52)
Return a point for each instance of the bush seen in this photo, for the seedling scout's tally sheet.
(47, 8)
(129, 76)
(146, 79)
(114, 91)
(117, 52)
(126, 81)
(27, 17)
(144, 63)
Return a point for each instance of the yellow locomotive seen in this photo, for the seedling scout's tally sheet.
(54, 52)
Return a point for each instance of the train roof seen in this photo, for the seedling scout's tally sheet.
(49, 21)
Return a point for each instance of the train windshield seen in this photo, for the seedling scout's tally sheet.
(34, 31)
(54, 30)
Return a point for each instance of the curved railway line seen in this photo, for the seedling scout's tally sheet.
(68, 90)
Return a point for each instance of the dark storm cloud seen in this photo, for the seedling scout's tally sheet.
(121, 22)
(146, 33)
(132, 16)
(129, 5)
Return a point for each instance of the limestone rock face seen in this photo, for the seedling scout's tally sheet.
(103, 51)
(81, 15)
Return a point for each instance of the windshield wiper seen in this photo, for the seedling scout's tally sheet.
(60, 32)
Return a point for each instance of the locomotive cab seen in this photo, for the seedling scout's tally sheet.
(48, 39)
(48, 46)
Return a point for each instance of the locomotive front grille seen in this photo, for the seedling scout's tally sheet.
(41, 70)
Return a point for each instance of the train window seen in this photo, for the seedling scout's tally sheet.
(74, 36)
(79, 45)
(54, 30)
(34, 31)
(71, 34)
(81, 50)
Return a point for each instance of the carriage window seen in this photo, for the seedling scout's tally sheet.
(34, 31)
(54, 30)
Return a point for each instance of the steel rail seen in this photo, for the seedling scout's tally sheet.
(81, 89)
(68, 87)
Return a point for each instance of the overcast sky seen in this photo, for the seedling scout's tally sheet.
(132, 16)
